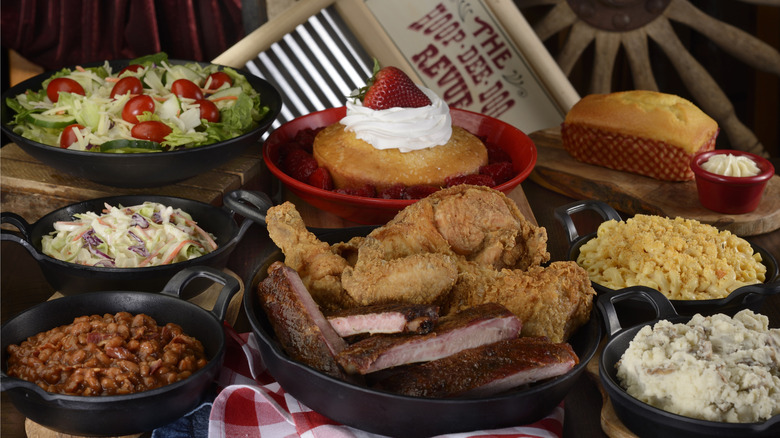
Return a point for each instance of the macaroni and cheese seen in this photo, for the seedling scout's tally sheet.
(682, 258)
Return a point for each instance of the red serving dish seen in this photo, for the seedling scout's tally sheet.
(731, 194)
(372, 211)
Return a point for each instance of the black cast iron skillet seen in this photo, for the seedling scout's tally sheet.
(751, 296)
(150, 169)
(122, 414)
(644, 420)
(70, 278)
(397, 415)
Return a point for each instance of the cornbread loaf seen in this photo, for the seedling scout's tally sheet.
(353, 162)
(644, 132)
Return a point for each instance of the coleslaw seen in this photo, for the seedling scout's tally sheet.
(100, 115)
(149, 234)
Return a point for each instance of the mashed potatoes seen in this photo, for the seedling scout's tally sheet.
(682, 258)
(713, 368)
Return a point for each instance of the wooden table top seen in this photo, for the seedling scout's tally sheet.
(23, 285)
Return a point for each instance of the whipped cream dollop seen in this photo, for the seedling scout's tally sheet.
(731, 165)
(405, 129)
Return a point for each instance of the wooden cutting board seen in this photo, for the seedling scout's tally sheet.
(32, 189)
(630, 193)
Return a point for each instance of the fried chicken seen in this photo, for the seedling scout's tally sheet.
(552, 301)
(431, 235)
(317, 265)
(460, 247)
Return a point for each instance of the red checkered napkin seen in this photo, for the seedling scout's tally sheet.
(253, 404)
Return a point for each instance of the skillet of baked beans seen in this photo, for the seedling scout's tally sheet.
(107, 355)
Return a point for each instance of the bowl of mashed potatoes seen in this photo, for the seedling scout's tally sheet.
(692, 376)
(731, 181)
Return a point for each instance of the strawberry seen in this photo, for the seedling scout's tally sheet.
(419, 191)
(473, 179)
(321, 179)
(496, 154)
(393, 192)
(501, 171)
(299, 164)
(390, 87)
(305, 137)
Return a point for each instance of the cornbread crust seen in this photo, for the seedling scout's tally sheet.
(646, 114)
(353, 162)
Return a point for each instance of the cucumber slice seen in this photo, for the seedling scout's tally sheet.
(123, 146)
(179, 71)
(232, 91)
(51, 121)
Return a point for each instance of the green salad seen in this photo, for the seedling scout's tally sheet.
(149, 106)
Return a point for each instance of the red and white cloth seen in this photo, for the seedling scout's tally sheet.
(252, 404)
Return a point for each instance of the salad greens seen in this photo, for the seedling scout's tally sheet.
(143, 235)
(39, 119)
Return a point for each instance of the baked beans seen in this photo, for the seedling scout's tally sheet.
(107, 355)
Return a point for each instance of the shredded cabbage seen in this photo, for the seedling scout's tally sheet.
(143, 235)
(102, 116)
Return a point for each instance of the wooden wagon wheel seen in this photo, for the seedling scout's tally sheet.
(630, 23)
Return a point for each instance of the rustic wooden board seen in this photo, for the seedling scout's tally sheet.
(556, 170)
(610, 422)
(32, 189)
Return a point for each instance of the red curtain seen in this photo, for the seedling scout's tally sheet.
(59, 33)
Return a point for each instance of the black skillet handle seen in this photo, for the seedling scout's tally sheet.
(24, 228)
(564, 212)
(7, 383)
(606, 305)
(231, 286)
(252, 205)
(17, 221)
(758, 289)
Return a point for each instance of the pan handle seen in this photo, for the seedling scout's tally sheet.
(176, 285)
(24, 228)
(606, 305)
(564, 212)
(252, 205)
(17, 221)
(758, 289)
(7, 383)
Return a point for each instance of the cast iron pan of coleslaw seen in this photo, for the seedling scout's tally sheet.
(70, 278)
(750, 296)
(149, 169)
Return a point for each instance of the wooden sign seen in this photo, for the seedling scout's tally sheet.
(479, 55)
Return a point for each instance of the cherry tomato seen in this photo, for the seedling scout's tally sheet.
(151, 130)
(128, 84)
(186, 88)
(68, 136)
(208, 110)
(217, 79)
(137, 106)
(63, 84)
(132, 67)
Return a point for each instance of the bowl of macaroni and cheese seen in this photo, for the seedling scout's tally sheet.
(693, 376)
(731, 181)
(698, 267)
